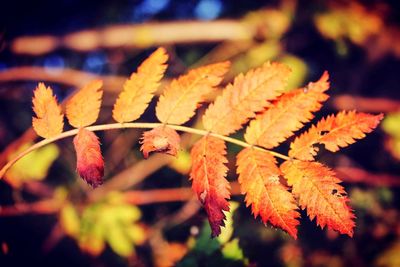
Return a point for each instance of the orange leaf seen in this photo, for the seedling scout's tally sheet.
(140, 87)
(160, 139)
(90, 164)
(247, 95)
(317, 189)
(181, 98)
(208, 175)
(49, 120)
(83, 108)
(287, 114)
(259, 180)
(335, 131)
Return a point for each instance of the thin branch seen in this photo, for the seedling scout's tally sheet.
(365, 104)
(144, 125)
(158, 195)
(46, 206)
(137, 35)
(70, 77)
(357, 175)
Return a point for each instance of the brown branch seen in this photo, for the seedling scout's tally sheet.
(139, 35)
(357, 175)
(47, 206)
(70, 77)
(349, 102)
(158, 196)
(135, 197)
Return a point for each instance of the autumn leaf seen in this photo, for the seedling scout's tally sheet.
(287, 114)
(90, 164)
(182, 97)
(334, 132)
(259, 180)
(140, 87)
(249, 93)
(83, 108)
(208, 175)
(161, 139)
(317, 189)
(49, 120)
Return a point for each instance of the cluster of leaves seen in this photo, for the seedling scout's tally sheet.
(257, 98)
(111, 221)
(353, 22)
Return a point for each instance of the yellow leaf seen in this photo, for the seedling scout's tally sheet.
(126, 213)
(24, 170)
(287, 114)
(93, 242)
(182, 162)
(49, 120)
(140, 88)
(299, 70)
(182, 97)
(227, 231)
(69, 220)
(249, 93)
(136, 233)
(83, 108)
(119, 242)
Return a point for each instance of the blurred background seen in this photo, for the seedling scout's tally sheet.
(145, 214)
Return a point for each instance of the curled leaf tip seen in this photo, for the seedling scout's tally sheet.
(161, 139)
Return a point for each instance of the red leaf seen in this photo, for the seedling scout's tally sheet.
(259, 180)
(161, 139)
(208, 176)
(90, 164)
(287, 114)
(334, 131)
(317, 189)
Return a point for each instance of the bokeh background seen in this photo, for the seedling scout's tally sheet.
(145, 214)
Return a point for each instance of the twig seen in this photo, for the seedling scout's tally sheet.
(47, 206)
(133, 125)
(158, 196)
(357, 175)
(131, 176)
(140, 35)
(349, 102)
(71, 77)
(135, 197)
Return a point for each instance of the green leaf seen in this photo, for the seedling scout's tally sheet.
(35, 165)
(119, 242)
(69, 220)
(391, 124)
(227, 231)
(233, 251)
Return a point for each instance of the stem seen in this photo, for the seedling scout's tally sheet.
(144, 125)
